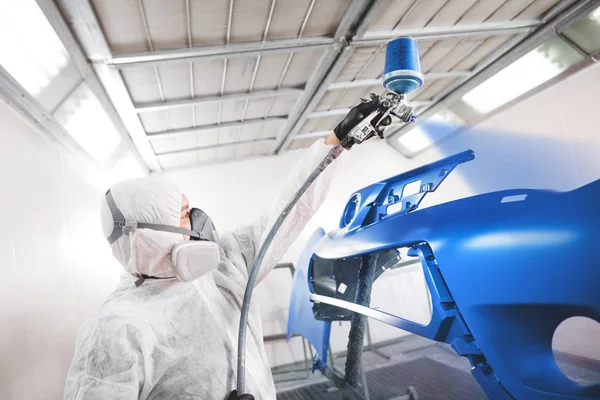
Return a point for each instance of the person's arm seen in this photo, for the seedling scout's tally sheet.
(251, 237)
(332, 139)
(107, 364)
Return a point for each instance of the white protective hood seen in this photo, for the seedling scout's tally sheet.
(152, 200)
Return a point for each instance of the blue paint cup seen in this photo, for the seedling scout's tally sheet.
(402, 73)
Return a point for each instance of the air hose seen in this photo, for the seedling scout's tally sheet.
(241, 355)
(402, 75)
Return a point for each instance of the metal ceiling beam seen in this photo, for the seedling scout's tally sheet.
(373, 38)
(208, 128)
(377, 82)
(354, 22)
(218, 146)
(255, 94)
(236, 50)
(83, 23)
(549, 29)
(145, 156)
(343, 111)
(27, 106)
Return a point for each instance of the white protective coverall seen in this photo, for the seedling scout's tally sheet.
(173, 340)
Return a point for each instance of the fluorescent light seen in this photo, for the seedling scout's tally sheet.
(531, 70)
(586, 32)
(595, 15)
(31, 51)
(430, 131)
(82, 115)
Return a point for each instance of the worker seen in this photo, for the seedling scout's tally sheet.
(156, 337)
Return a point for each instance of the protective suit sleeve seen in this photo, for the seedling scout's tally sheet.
(250, 237)
(107, 364)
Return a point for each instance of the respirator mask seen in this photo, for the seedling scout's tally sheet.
(190, 258)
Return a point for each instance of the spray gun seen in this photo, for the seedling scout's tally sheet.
(402, 75)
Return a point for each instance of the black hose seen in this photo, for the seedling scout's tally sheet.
(241, 356)
(356, 337)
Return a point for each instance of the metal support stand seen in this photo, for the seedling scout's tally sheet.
(363, 377)
(371, 347)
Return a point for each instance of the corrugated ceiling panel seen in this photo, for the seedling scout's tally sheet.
(207, 77)
(300, 69)
(209, 22)
(451, 12)
(328, 99)
(457, 54)
(175, 81)
(287, 18)
(185, 142)
(321, 124)
(249, 20)
(180, 118)
(352, 97)
(434, 88)
(261, 149)
(141, 83)
(437, 52)
(206, 156)
(390, 14)
(181, 142)
(122, 24)
(229, 135)
(481, 51)
(251, 132)
(225, 154)
(417, 93)
(239, 74)
(243, 150)
(359, 57)
(204, 139)
(167, 23)
(325, 17)
(163, 145)
(374, 69)
(232, 110)
(269, 131)
(481, 11)
(207, 114)
(423, 12)
(340, 98)
(257, 108)
(269, 71)
(510, 10)
(282, 105)
(537, 9)
(154, 121)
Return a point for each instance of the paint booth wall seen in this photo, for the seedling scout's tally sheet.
(547, 141)
(56, 268)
